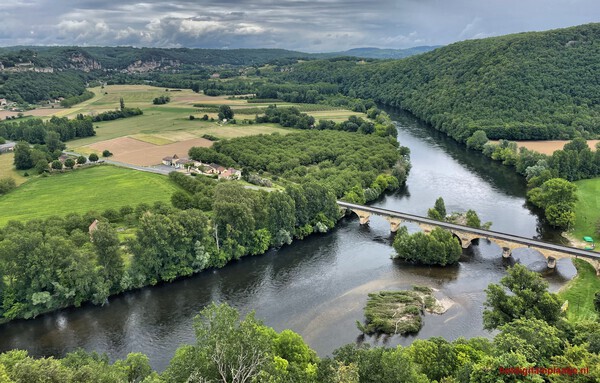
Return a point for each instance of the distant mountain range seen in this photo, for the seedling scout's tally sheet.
(378, 53)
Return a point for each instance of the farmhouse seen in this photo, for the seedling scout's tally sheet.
(3, 102)
(230, 174)
(179, 162)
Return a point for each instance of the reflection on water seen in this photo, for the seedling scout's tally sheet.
(318, 286)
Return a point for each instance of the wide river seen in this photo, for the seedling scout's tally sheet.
(318, 286)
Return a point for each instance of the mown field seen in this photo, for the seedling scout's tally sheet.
(580, 292)
(7, 168)
(587, 209)
(96, 188)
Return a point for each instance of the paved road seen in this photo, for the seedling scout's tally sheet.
(481, 232)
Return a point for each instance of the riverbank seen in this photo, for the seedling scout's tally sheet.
(580, 292)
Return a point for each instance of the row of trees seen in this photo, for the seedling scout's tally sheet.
(36, 131)
(530, 333)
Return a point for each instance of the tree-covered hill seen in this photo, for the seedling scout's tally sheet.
(535, 85)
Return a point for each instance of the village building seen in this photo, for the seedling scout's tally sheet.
(230, 174)
(3, 102)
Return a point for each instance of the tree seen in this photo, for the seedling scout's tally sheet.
(440, 247)
(477, 140)
(93, 157)
(558, 197)
(22, 159)
(535, 339)
(225, 112)
(70, 163)
(597, 301)
(53, 142)
(57, 165)
(473, 219)
(234, 350)
(108, 255)
(440, 207)
(81, 160)
(528, 297)
(122, 103)
(106, 153)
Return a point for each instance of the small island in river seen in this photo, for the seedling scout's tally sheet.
(400, 312)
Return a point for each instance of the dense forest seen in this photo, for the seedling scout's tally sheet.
(536, 85)
(533, 343)
(32, 87)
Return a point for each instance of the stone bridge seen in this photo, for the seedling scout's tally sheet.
(466, 235)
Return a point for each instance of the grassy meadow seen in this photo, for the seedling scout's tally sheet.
(96, 188)
(7, 168)
(587, 210)
(580, 292)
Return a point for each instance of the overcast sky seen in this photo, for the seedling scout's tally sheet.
(312, 26)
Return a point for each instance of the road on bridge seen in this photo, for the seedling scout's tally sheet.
(481, 232)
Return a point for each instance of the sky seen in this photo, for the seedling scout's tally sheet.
(305, 25)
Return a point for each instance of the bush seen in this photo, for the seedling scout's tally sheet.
(93, 157)
(7, 184)
(106, 153)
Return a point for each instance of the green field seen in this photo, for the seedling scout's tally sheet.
(8, 170)
(96, 188)
(580, 292)
(587, 209)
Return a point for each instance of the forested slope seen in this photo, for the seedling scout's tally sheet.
(536, 85)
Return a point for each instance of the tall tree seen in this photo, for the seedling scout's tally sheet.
(520, 294)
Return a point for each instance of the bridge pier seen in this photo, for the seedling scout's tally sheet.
(363, 216)
(395, 223)
(551, 262)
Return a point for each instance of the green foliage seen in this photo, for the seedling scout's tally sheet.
(93, 157)
(36, 131)
(161, 100)
(535, 339)
(473, 219)
(225, 112)
(439, 247)
(528, 298)
(33, 87)
(7, 184)
(393, 312)
(106, 153)
(558, 197)
(73, 100)
(477, 140)
(501, 85)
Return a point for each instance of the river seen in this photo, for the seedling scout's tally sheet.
(318, 286)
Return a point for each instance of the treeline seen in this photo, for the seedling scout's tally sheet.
(70, 101)
(35, 131)
(116, 114)
(506, 86)
(531, 333)
(32, 87)
(379, 122)
(61, 262)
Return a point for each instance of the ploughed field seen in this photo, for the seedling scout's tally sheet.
(549, 147)
(95, 188)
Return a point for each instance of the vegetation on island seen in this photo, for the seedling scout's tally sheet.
(231, 348)
(439, 247)
(398, 312)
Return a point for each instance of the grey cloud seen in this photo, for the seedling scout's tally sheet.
(309, 25)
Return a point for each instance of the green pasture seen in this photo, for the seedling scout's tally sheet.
(580, 292)
(95, 188)
(587, 210)
(7, 168)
